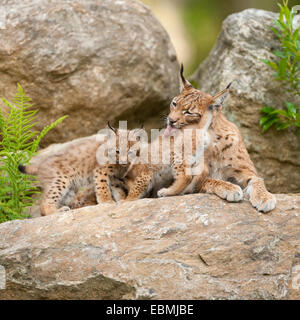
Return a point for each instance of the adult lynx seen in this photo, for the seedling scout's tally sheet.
(228, 161)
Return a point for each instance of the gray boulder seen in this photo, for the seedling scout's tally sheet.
(92, 60)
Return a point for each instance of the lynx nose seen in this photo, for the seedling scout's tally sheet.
(171, 121)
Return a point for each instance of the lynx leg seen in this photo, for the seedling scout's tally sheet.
(119, 189)
(102, 182)
(197, 182)
(52, 197)
(259, 196)
(180, 183)
(225, 190)
(139, 188)
(84, 198)
(48, 206)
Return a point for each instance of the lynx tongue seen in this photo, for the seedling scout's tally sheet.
(169, 130)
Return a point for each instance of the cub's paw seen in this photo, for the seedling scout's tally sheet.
(104, 199)
(64, 208)
(109, 201)
(162, 192)
(231, 193)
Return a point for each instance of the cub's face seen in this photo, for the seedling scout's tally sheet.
(119, 143)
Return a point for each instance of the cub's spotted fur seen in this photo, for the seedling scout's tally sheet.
(68, 172)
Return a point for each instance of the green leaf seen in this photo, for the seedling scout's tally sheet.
(267, 109)
(272, 64)
(269, 123)
(45, 131)
(295, 35)
(280, 25)
(282, 68)
(283, 125)
(280, 112)
(263, 120)
(277, 33)
(280, 54)
(291, 109)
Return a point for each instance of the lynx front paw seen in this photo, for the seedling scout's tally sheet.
(232, 193)
(109, 201)
(259, 197)
(121, 201)
(162, 193)
(264, 202)
(64, 208)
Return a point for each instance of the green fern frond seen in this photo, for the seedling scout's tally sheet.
(38, 139)
(18, 143)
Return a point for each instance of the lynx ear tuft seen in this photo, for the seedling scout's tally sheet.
(228, 86)
(220, 97)
(111, 128)
(184, 84)
(181, 73)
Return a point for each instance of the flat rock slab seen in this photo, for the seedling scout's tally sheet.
(188, 247)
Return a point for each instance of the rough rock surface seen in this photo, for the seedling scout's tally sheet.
(92, 60)
(244, 40)
(189, 247)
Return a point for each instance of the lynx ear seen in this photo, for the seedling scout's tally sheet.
(220, 97)
(111, 128)
(184, 84)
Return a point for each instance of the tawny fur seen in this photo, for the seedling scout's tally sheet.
(229, 165)
(67, 174)
(143, 179)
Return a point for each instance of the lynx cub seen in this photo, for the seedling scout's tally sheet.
(64, 169)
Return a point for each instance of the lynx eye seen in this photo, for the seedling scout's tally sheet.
(174, 104)
(187, 113)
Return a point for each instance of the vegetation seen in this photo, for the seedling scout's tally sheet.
(18, 143)
(287, 70)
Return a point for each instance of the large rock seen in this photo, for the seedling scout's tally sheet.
(189, 247)
(246, 38)
(92, 60)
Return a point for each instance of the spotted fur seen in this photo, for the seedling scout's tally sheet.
(71, 177)
(167, 179)
(229, 165)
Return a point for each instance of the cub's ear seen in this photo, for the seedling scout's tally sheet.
(111, 128)
(184, 84)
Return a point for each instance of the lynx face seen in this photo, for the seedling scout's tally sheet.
(118, 139)
(187, 108)
(190, 105)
